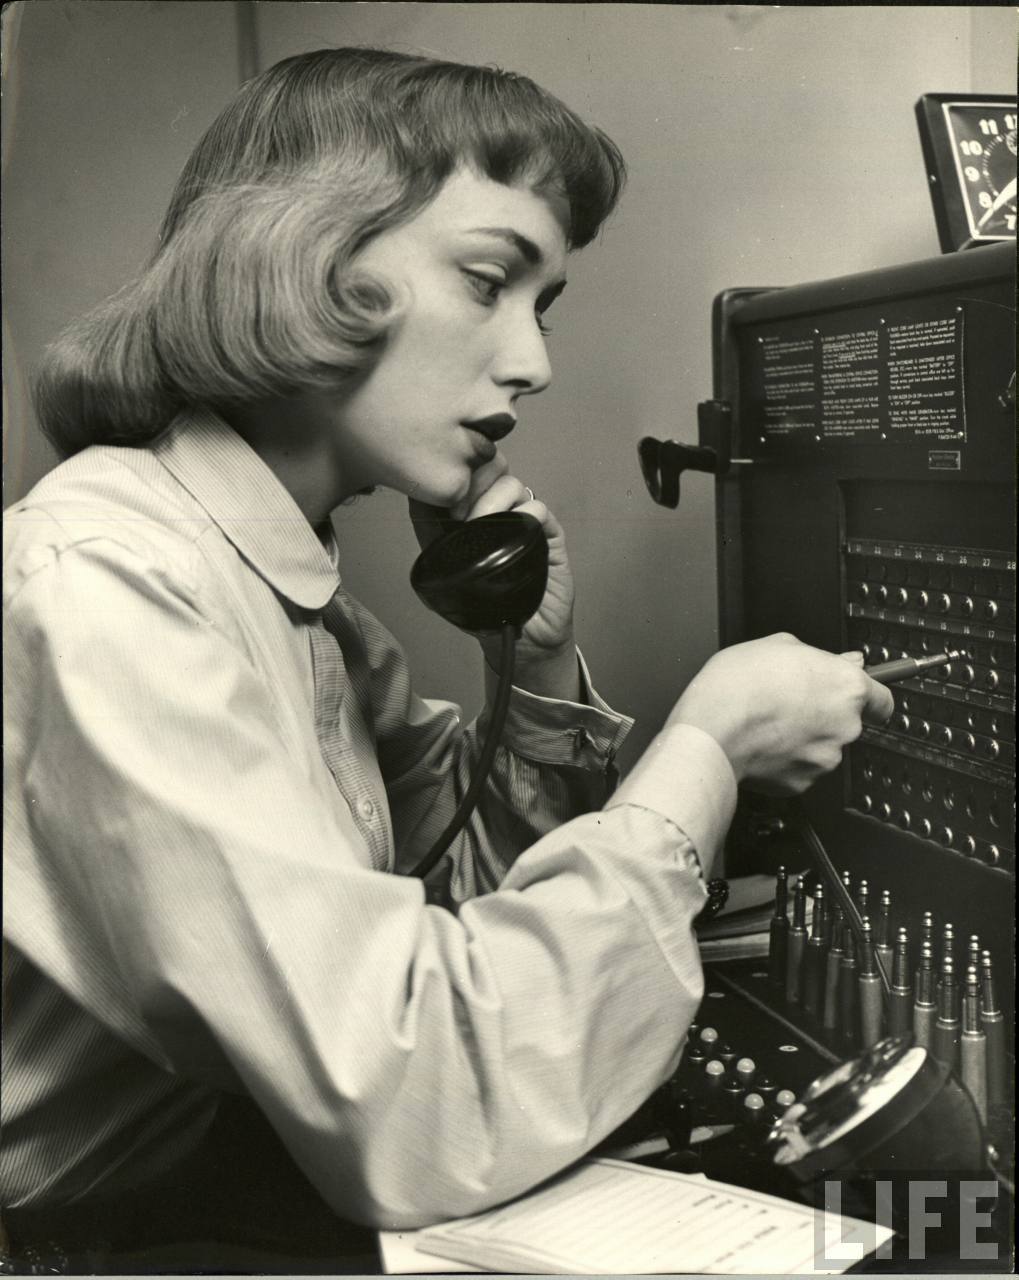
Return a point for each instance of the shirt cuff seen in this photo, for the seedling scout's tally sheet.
(552, 731)
(685, 776)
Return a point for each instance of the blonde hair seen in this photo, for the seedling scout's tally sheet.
(253, 290)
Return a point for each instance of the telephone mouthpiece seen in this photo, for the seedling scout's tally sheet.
(486, 573)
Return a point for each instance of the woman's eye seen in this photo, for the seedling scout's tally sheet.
(487, 287)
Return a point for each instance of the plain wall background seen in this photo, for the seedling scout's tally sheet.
(766, 145)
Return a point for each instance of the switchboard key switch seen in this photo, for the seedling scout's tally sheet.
(871, 1012)
(900, 998)
(746, 1069)
(833, 969)
(779, 931)
(925, 1010)
(973, 953)
(727, 1054)
(713, 1080)
(992, 1020)
(945, 1041)
(673, 1112)
(733, 1092)
(863, 897)
(973, 1044)
(755, 1111)
(927, 930)
(677, 1094)
(709, 1035)
(796, 943)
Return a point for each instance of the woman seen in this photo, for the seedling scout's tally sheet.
(218, 772)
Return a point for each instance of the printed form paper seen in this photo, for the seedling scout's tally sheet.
(607, 1216)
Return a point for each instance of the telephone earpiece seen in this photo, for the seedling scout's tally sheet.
(486, 573)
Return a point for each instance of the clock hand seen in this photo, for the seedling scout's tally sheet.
(1004, 195)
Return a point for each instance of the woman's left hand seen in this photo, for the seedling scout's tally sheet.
(549, 633)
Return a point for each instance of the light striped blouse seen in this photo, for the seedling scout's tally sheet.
(196, 903)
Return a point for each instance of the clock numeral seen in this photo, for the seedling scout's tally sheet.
(989, 127)
(971, 148)
(972, 172)
(1010, 122)
(985, 200)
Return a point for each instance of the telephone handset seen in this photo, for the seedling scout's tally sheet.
(485, 575)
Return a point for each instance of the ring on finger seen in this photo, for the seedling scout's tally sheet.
(530, 493)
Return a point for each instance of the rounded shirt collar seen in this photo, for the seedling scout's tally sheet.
(245, 499)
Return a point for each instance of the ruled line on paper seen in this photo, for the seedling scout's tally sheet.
(607, 1216)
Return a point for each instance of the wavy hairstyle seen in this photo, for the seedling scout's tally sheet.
(253, 290)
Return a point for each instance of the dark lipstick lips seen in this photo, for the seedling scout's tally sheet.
(495, 427)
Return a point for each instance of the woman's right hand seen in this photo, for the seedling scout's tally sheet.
(782, 711)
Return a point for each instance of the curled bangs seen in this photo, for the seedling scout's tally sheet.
(510, 130)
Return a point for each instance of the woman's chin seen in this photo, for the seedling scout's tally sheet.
(447, 496)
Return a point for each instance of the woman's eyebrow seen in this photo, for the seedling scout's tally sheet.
(527, 249)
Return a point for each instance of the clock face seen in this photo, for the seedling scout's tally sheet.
(983, 140)
(969, 146)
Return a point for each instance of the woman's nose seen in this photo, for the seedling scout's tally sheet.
(522, 360)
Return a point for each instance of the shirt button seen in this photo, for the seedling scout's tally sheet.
(366, 809)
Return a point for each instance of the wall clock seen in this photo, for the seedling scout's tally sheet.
(969, 148)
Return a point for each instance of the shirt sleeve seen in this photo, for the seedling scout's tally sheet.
(555, 760)
(171, 868)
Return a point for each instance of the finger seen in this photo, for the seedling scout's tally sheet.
(878, 703)
(828, 758)
(505, 494)
(506, 500)
(481, 481)
(854, 656)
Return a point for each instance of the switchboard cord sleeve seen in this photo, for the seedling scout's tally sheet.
(466, 806)
(831, 876)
